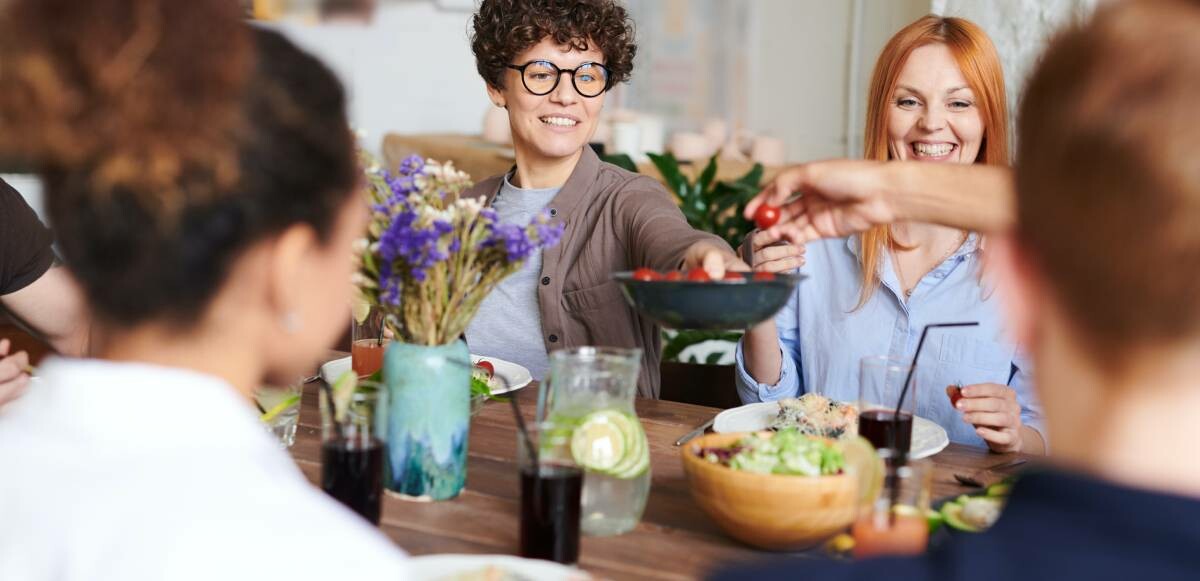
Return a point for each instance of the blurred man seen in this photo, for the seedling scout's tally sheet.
(1101, 277)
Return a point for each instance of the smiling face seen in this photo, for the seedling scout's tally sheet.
(933, 115)
(556, 125)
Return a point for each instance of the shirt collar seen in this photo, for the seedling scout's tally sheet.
(970, 245)
(572, 192)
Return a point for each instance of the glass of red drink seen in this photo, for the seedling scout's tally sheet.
(895, 522)
(352, 449)
(551, 494)
(881, 380)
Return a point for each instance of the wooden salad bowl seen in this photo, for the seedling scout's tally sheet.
(768, 511)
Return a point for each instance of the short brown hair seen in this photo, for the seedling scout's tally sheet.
(505, 28)
(1108, 175)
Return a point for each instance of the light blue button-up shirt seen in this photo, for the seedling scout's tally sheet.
(823, 337)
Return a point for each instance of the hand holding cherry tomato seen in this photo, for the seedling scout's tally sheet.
(766, 216)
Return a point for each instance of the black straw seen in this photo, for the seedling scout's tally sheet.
(533, 457)
(900, 458)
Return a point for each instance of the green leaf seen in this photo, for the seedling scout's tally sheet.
(622, 161)
(713, 358)
(753, 178)
(686, 338)
(668, 166)
(706, 176)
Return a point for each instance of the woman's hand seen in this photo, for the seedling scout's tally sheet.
(994, 412)
(770, 255)
(13, 376)
(715, 259)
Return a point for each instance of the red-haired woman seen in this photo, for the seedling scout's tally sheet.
(937, 96)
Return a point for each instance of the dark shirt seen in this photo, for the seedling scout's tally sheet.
(1056, 526)
(25, 244)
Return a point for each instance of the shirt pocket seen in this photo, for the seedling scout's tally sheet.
(969, 360)
(594, 298)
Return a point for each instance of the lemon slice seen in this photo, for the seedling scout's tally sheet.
(866, 465)
(361, 309)
(280, 407)
(600, 442)
(343, 390)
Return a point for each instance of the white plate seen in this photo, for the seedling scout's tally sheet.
(928, 438)
(434, 567)
(515, 375)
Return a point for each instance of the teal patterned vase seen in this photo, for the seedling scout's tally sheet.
(429, 399)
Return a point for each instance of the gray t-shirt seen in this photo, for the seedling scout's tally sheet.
(509, 324)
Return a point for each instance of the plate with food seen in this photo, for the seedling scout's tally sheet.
(685, 300)
(490, 568)
(488, 368)
(818, 415)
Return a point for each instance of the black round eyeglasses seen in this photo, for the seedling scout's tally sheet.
(541, 77)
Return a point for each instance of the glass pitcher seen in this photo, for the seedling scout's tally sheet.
(589, 393)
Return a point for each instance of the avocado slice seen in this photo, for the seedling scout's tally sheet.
(952, 512)
(999, 490)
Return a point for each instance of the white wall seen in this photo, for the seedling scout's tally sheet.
(410, 71)
(1019, 29)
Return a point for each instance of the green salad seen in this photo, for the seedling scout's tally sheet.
(786, 451)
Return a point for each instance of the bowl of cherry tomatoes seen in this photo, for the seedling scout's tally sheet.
(693, 300)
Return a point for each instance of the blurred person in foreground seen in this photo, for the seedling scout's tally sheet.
(202, 182)
(1101, 276)
(33, 291)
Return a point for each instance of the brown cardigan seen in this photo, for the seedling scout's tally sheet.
(615, 220)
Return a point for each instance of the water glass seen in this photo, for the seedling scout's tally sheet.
(894, 522)
(551, 495)
(881, 380)
(352, 449)
(280, 412)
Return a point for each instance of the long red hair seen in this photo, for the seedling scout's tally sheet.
(980, 66)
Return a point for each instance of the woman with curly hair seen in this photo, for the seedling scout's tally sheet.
(550, 63)
(202, 181)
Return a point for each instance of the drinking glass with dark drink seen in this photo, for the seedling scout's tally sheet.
(369, 338)
(352, 449)
(894, 522)
(551, 491)
(881, 380)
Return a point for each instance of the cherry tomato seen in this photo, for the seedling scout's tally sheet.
(487, 367)
(954, 393)
(674, 275)
(734, 276)
(698, 275)
(646, 274)
(764, 276)
(766, 216)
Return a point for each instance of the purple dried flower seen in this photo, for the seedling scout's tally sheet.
(412, 165)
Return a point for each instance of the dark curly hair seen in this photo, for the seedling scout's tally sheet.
(162, 162)
(505, 28)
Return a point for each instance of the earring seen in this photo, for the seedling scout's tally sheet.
(290, 322)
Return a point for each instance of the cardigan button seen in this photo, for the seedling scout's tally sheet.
(545, 280)
(553, 338)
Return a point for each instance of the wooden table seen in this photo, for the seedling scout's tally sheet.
(675, 540)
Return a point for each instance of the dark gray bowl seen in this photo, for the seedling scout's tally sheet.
(714, 305)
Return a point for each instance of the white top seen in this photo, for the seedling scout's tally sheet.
(508, 324)
(124, 472)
